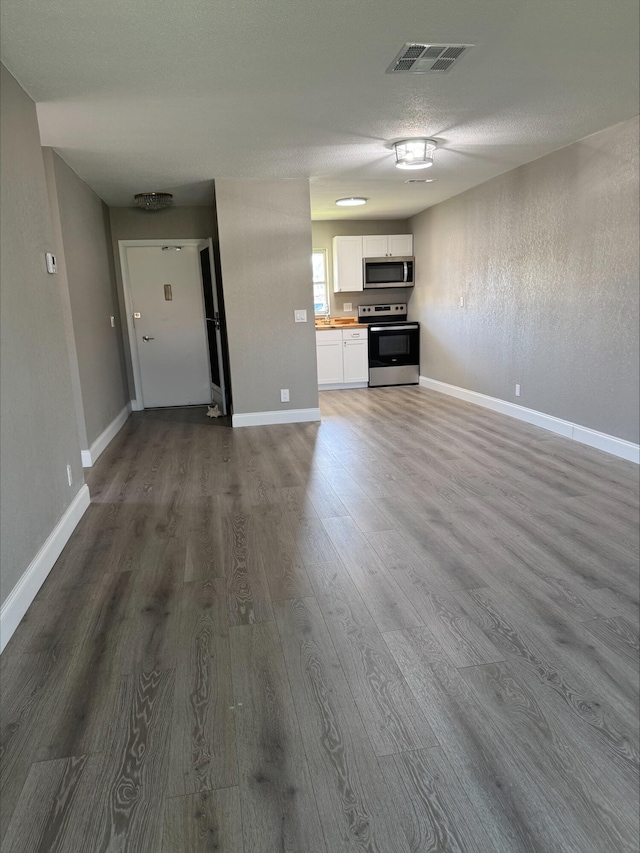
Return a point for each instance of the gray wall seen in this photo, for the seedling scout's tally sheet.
(265, 251)
(88, 258)
(323, 233)
(132, 223)
(38, 430)
(63, 288)
(547, 258)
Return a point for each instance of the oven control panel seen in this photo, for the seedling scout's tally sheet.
(372, 313)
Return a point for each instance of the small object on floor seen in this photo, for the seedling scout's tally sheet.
(213, 411)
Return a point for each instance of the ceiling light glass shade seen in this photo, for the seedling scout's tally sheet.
(350, 202)
(153, 201)
(414, 153)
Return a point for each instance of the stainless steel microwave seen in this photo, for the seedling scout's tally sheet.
(388, 272)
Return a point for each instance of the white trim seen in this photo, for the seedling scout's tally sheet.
(138, 402)
(285, 416)
(342, 386)
(23, 593)
(601, 440)
(90, 456)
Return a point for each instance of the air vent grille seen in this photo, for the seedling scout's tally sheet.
(404, 65)
(453, 52)
(442, 65)
(421, 58)
(413, 52)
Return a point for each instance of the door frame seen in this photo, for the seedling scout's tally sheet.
(207, 246)
(137, 404)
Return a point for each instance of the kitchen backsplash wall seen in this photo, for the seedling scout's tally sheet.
(546, 258)
(323, 233)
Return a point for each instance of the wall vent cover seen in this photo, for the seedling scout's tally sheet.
(421, 58)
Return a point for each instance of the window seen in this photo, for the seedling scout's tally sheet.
(320, 284)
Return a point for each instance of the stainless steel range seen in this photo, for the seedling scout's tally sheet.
(394, 344)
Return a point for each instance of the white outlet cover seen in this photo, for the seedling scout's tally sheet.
(300, 315)
(347, 306)
(284, 395)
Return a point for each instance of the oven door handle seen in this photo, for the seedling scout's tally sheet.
(393, 328)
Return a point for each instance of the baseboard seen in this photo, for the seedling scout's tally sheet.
(285, 416)
(600, 440)
(23, 593)
(342, 386)
(90, 456)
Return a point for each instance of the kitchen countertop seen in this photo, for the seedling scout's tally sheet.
(339, 323)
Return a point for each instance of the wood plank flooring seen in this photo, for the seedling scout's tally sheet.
(412, 628)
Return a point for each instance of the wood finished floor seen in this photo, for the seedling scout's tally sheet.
(411, 628)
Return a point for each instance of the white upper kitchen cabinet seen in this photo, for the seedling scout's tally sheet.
(374, 246)
(387, 246)
(347, 263)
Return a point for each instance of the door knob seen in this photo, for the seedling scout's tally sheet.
(147, 338)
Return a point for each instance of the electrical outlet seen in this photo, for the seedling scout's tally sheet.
(69, 475)
(284, 395)
(347, 306)
(300, 315)
(517, 390)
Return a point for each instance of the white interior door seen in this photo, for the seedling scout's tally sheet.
(169, 323)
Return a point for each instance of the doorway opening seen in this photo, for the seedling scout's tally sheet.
(176, 323)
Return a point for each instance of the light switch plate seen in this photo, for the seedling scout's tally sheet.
(347, 306)
(300, 315)
(52, 266)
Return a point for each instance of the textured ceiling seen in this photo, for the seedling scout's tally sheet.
(157, 95)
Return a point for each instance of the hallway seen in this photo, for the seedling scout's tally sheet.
(412, 627)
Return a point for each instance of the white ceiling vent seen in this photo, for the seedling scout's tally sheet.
(420, 58)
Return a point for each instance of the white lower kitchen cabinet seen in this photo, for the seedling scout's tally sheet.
(343, 359)
(330, 362)
(355, 361)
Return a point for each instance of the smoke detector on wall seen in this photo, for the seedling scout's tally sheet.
(419, 58)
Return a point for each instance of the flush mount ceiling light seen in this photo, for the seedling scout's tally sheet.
(414, 153)
(153, 201)
(350, 202)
